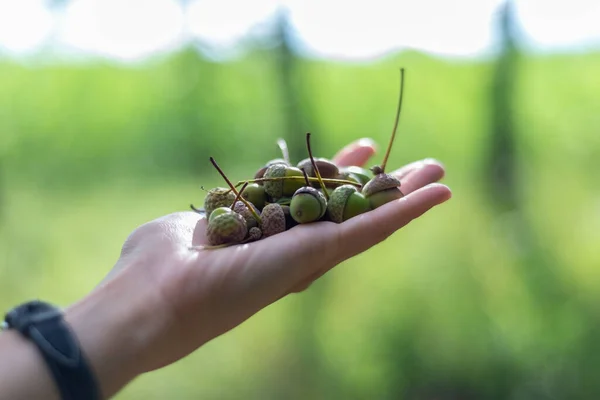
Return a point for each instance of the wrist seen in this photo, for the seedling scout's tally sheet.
(114, 328)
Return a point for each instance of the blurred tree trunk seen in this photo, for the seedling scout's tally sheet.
(288, 75)
(194, 109)
(502, 172)
(501, 169)
(307, 376)
(2, 193)
(538, 266)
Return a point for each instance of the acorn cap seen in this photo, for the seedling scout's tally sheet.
(273, 220)
(379, 183)
(226, 229)
(274, 188)
(218, 197)
(261, 172)
(337, 202)
(285, 187)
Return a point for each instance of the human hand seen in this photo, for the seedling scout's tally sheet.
(170, 298)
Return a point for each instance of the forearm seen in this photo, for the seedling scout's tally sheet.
(110, 328)
(23, 374)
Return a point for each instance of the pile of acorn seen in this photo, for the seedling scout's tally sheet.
(281, 196)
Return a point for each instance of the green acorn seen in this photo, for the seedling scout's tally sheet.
(255, 194)
(382, 189)
(285, 187)
(226, 228)
(308, 205)
(356, 173)
(346, 202)
(219, 211)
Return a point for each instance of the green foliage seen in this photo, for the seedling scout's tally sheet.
(464, 302)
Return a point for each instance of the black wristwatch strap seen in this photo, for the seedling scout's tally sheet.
(43, 324)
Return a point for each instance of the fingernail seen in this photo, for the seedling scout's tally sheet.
(366, 142)
(431, 161)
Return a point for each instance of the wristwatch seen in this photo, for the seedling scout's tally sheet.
(43, 324)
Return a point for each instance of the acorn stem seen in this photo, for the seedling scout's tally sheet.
(237, 194)
(305, 177)
(314, 164)
(296, 178)
(237, 198)
(389, 148)
(199, 211)
(284, 150)
(205, 190)
(214, 163)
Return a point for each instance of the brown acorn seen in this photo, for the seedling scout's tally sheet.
(240, 208)
(254, 234)
(273, 220)
(289, 221)
(327, 169)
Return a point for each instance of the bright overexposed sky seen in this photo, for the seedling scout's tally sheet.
(134, 29)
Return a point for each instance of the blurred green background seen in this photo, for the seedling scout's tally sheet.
(493, 295)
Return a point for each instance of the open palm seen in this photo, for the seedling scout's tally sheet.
(196, 295)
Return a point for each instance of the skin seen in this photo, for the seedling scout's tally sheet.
(164, 299)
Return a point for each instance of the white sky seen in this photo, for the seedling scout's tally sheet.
(133, 29)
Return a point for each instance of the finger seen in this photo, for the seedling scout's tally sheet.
(366, 230)
(421, 176)
(199, 238)
(403, 172)
(356, 153)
